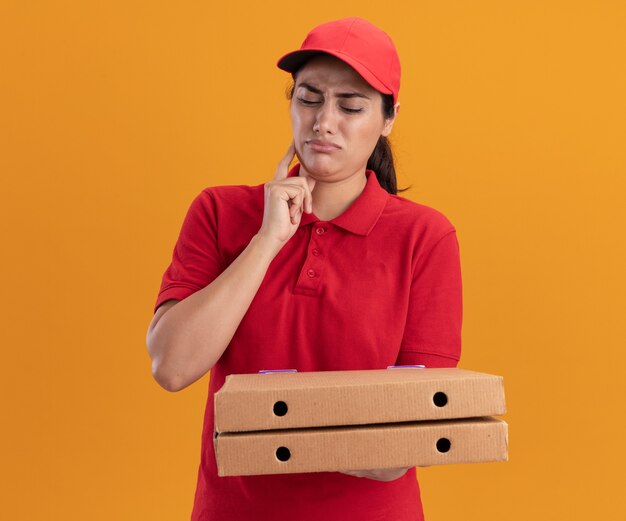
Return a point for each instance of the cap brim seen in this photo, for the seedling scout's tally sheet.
(292, 61)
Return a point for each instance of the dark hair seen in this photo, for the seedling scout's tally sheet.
(381, 160)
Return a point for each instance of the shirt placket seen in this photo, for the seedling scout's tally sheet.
(313, 267)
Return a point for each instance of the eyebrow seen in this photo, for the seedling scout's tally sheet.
(353, 94)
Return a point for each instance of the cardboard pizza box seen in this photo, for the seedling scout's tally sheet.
(327, 449)
(287, 399)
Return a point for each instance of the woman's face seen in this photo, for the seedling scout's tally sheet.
(333, 104)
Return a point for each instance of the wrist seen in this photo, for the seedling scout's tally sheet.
(268, 247)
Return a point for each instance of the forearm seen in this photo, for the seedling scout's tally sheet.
(190, 337)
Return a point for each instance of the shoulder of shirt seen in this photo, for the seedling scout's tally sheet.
(229, 194)
(218, 190)
(413, 214)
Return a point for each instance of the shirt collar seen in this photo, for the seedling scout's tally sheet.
(363, 214)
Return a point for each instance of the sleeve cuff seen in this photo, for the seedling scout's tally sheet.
(426, 359)
(178, 292)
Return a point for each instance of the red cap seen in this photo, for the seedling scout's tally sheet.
(366, 48)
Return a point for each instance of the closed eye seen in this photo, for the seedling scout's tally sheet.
(309, 102)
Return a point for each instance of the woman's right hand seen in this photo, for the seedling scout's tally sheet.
(285, 200)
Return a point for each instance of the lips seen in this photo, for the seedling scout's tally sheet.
(322, 143)
(319, 145)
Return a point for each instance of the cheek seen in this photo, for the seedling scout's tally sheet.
(296, 122)
(364, 137)
(297, 133)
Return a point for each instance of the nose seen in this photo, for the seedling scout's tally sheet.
(325, 119)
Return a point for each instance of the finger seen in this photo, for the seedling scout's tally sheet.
(288, 192)
(296, 205)
(355, 473)
(283, 166)
(309, 185)
(296, 218)
(293, 184)
(291, 193)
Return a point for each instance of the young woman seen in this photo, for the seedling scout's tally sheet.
(322, 268)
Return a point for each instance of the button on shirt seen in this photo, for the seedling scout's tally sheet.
(378, 285)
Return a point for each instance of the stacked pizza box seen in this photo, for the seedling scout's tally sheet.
(285, 421)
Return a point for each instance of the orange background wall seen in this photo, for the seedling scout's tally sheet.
(114, 115)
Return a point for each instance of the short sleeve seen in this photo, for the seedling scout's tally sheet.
(196, 261)
(432, 335)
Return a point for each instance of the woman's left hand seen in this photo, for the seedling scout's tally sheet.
(378, 474)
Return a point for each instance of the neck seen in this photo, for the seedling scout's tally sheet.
(332, 198)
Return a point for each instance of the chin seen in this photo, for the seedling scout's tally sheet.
(321, 168)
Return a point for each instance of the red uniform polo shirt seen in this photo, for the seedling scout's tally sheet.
(378, 285)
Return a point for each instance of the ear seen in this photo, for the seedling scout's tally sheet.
(389, 122)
